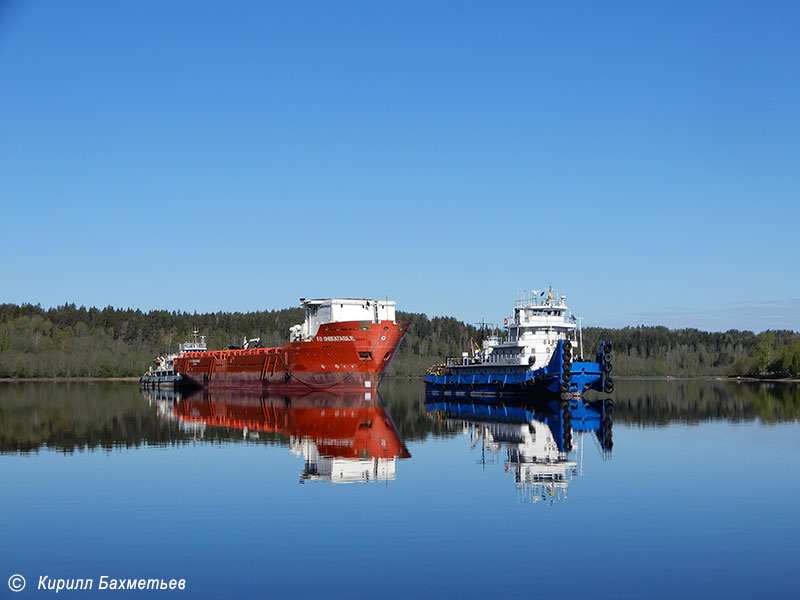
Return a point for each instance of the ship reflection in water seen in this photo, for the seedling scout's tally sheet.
(343, 437)
(536, 441)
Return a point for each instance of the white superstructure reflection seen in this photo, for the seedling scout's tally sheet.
(529, 451)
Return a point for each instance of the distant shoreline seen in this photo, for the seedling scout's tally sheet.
(670, 378)
(708, 378)
(46, 379)
(420, 378)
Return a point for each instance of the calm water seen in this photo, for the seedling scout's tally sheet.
(692, 491)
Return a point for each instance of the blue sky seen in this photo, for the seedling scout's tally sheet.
(642, 157)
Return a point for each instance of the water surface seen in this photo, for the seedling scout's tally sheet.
(342, 497)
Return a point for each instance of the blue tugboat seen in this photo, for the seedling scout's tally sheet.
(535, 358)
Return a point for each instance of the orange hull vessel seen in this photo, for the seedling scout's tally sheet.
(326, 352)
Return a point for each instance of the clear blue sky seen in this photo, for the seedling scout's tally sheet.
(640, 156)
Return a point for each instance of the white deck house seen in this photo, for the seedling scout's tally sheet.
(337, 310)
(538, 323)
(534, 329)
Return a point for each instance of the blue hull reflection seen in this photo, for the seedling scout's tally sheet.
(538, 438)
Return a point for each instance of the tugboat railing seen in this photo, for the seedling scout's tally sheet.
(459, 361)
(463, 361)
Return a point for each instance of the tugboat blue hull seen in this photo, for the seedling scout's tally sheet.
(553, 380)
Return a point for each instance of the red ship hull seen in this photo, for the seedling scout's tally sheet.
(347, 356)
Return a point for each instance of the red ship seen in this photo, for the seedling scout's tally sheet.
(343, 344)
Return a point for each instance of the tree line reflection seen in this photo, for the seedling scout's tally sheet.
(70, 417)
(658, 402)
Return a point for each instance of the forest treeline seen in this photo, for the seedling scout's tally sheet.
(71, 341)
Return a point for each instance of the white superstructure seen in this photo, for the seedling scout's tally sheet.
(337, 310)
(198, 343)
(539, 321)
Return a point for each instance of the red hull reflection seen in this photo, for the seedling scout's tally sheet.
(342, 436)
